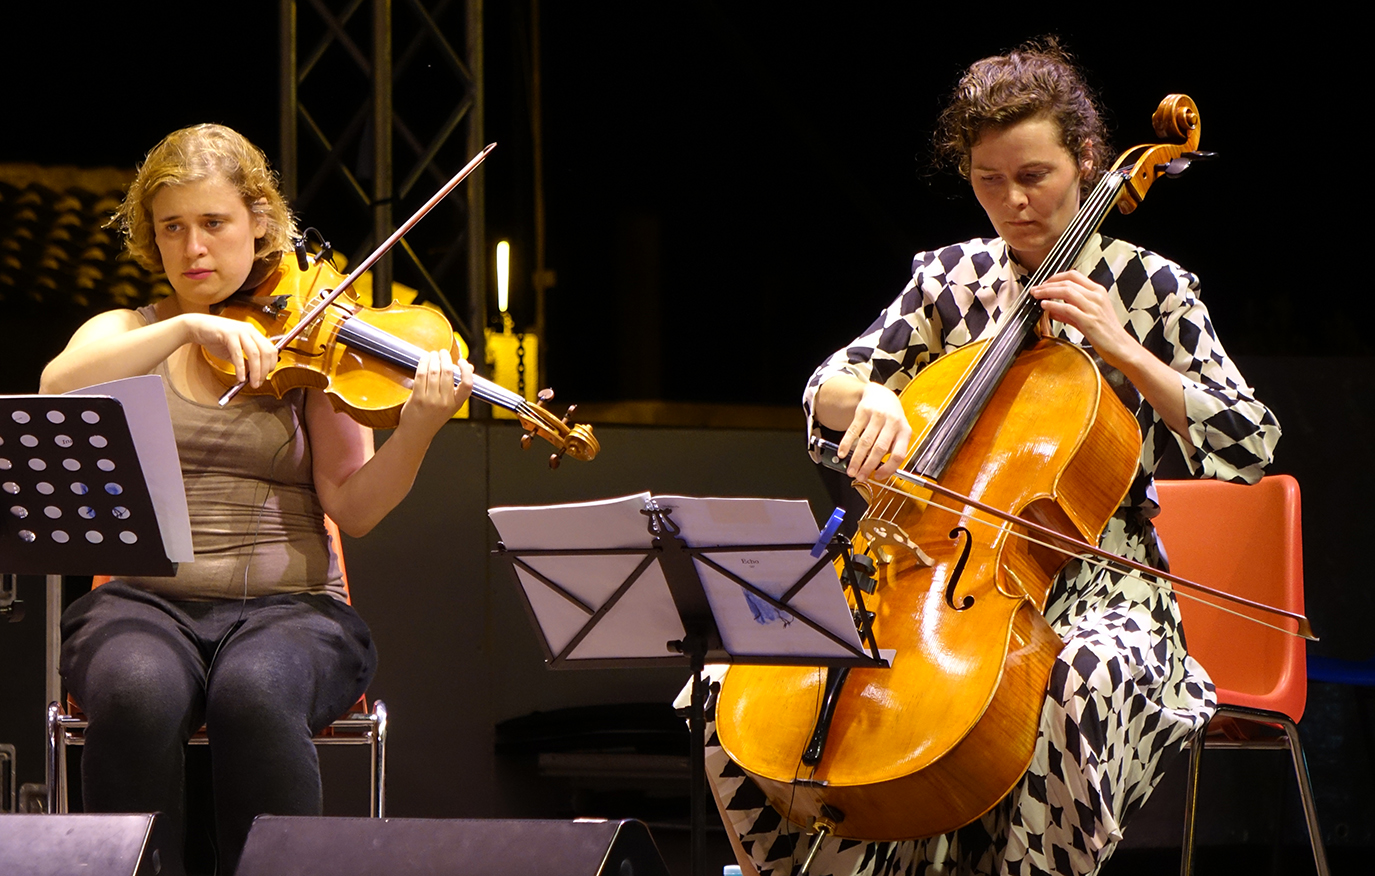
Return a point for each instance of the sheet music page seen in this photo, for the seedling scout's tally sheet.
(749, 625)
(639, 625)
(605, 523)
(646, 617)
(150, 425)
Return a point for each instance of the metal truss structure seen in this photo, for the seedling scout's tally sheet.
(381, 102)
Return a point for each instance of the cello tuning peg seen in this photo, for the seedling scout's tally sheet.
(1175, 167)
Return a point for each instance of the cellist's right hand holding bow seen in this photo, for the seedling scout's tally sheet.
(879, 429)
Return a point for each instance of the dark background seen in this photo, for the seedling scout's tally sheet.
(735, 189)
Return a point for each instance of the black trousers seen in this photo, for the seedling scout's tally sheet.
(263, 675)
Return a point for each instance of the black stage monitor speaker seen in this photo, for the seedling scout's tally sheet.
(291, 846)
(91, 845)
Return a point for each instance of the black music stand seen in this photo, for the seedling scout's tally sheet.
(76, 501)
(681, 616)
(76, 496)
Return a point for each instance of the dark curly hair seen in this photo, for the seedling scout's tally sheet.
(1038, 78)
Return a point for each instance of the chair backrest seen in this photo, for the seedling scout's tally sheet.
(1247, 541)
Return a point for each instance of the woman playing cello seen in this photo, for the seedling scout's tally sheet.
(253, 639)
(1123, 695)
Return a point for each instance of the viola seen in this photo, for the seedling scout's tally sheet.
(1027, 437)
(364, 358)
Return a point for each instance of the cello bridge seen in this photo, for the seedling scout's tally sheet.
(887, 538)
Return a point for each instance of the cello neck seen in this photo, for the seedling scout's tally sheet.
(941, 444)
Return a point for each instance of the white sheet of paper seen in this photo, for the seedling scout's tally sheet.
(150, 425)
(645, 618)
(752, 627)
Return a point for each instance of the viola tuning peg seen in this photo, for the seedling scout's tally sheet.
(555, 459)
(545, 394)
(569, 413)
(1200, 156)
(526, 440)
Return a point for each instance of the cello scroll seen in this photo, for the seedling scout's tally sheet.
(1177, 122)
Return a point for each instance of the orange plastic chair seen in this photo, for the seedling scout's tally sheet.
(360, 726)
(1247, 541)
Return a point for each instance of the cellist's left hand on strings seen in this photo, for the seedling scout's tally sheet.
(1075, 300)
(435, 395)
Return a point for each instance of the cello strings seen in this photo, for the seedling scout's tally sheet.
(1100, 563)
(1024, 309)
(1024, 314)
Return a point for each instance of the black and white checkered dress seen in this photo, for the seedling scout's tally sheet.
(1124, 696)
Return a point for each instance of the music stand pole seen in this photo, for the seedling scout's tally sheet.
(52, 640)
(701, 634)
(697, 726)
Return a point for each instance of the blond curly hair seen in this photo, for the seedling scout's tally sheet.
(198, 153)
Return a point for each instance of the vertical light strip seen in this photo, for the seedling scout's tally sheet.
(503, 275)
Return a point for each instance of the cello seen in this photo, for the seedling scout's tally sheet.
(1033, 435)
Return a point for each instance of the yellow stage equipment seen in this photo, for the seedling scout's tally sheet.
(512, 356)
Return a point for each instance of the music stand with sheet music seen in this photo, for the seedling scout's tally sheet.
(652, 593)
(75, 498)
(76, 491)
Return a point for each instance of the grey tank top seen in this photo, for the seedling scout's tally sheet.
(256, 521)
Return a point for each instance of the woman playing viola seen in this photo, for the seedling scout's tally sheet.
(1124, 696)
(254, 639)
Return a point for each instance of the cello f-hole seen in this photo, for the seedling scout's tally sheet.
(968, 601)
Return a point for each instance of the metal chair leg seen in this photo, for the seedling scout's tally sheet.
(1186, 857)
(1289, 740)
(379, 760)
(1310, 810)
(57, 761)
